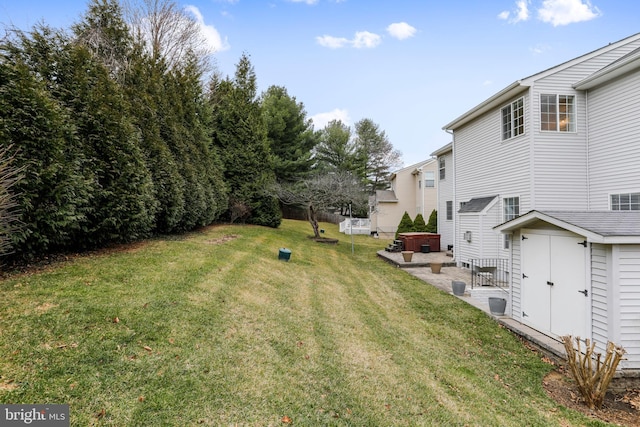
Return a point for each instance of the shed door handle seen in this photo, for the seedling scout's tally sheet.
(585, 292)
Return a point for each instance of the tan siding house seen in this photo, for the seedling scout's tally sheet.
(413, 190)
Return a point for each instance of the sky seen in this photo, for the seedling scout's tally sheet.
(411, 66)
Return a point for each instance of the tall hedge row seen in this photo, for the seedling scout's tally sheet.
(110, 154)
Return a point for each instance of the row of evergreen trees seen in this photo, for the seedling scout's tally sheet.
(114, 145)
(408, 225)
(117, 140)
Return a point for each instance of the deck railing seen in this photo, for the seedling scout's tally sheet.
(490, 272)
(356, 226)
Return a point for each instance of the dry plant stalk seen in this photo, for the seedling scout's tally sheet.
(591, 372)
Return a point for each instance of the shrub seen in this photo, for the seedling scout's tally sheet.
(406, 225)
(432, 225)
(419, 224)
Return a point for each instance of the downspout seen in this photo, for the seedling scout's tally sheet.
(453, 202)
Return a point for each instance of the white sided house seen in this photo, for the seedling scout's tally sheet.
(445, 174)
(413, 190)
(553, 163)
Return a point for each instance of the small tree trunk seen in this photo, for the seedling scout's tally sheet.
(313, 219)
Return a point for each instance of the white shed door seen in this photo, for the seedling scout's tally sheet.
(554, 297)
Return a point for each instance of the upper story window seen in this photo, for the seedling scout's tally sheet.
(513, 119)
(557, 113)
(442, 165)
(625, 202)
(429, 179)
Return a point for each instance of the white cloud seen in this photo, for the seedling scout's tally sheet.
(539, 49)
(209, 32)
(332, 42)
(401, 30)
(304, 1)
(520, 14)
(321, 120)
(487, 83)
(362, 39)
(564, 12)
(366, 39)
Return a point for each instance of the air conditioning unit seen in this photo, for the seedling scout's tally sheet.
(467, 236)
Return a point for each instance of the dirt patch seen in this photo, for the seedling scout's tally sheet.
(618, 408)
(221, 240)
(324, 240)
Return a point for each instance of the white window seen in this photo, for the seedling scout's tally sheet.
(513, 119)
(429, 179)
(442, 167)
(511, 210)
(625, 202)
(557, 113)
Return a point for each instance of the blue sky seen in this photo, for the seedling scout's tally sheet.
(411, 66)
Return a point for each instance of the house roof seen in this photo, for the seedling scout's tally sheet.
(476, 205)
(443, 150)
(627, 63)
(524, 84)
(597, 226)
(386, 196)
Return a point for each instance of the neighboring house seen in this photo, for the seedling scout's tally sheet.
(413, 190)
(445, 186)
(550, 161)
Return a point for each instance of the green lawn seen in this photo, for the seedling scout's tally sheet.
(212, 329)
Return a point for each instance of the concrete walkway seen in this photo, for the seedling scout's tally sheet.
(478, 297)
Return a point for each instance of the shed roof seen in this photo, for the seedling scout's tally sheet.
(476, 205)
(596, 226)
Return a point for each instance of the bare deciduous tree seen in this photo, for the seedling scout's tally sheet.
(9, 215)
(168, 31)
(322, 192)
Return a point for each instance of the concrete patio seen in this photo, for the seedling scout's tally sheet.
(478, 297)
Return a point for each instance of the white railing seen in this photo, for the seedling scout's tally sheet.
(356, 226)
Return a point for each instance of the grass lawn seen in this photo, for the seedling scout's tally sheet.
(212, 329)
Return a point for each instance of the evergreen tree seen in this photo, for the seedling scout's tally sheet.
(406, 225)
(419, 224)
(144, 85)
(54, 195)
(375, 156)
(290, 134)
(432, 225)
(335, 151)
(240, 136)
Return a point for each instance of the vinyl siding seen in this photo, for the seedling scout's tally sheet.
(445, 189)
(614, 138)
(629, 283)
(599, 295)
(516, 276)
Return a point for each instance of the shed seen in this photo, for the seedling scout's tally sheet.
(578, 273)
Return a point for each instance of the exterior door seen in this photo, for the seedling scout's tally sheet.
(555, 297)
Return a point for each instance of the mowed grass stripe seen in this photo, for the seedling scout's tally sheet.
(212, 329)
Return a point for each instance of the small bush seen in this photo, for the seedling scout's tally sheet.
(419, 224)
(406, 225)
(591, 373)
(432, 225)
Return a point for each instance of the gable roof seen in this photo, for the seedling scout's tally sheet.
(524, 84)
(626, 64)
(443, 150)
(596, 226)
(476, 205)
